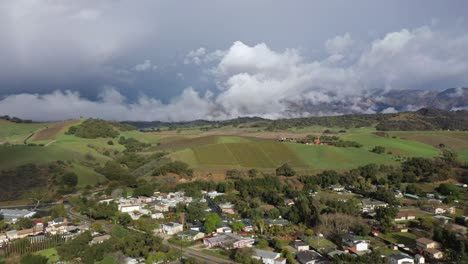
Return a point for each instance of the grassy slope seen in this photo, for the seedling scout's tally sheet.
(455, 140)
(15, 133)
(397, 146)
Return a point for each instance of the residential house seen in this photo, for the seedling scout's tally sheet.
(227, 208)
(99, 239)
(144, 199)
(157, 216)
(248, 225)
(401, 258)
(228, 240)
(439, 209)
(356, 243)
(17, 234)
(412, 196)
(419, 259)
(426, 243)
(12, 215)
(224, 229)
(403, 215)
(214, 194)
(433, 253)
(369, 205)
(310, 257)
(190, 235)
(337, 188)
(161, 207)
(268, 257)
(129, 208)
(172, 228)
(300, 245)
(58, 221)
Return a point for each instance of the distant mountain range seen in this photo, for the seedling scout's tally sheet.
(449, 99)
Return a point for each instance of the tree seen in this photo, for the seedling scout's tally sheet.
(212, 221)
(378, 149)
(124, 219)
(285, 170)
(143, 190)
(385, 216)
(262, 243)
(238, 226)
(24, 223)
(253, 173)
(196, 211)
(449, 189)
(70, 179)
(33, 259)
(58, 211)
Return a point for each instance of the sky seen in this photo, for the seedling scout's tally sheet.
(212, 59)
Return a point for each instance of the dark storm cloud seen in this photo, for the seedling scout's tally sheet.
(135, 59)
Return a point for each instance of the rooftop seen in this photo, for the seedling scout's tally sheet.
(266, 254)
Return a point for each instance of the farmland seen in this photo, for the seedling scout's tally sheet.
(220, 149)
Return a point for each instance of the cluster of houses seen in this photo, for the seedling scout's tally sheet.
(154, 206)
(40, 229)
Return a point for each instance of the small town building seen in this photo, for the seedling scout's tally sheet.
(356, 243)
(337, 188)
(157, 216)
(161, 207)
(439, 209)
(227, 208)
(404, 216)
(300, 245)
(433, 253)
(401, 258)
(12, 215)
(128, 208)
(369, 205)
(172, 228)
(268, 257)
(190, 235)
(99, 239)
(310, 257)
(228, 240)
(426, 243)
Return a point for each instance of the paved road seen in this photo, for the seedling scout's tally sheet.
(187, 252)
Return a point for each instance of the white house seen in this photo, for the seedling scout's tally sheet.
(369, 205)
(157, 216)
(161, 207)
(172, 228)
(268, 257)
(356, 243)
(300, 245)
(128, 208)
(401, 258)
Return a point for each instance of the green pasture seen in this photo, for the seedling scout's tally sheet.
(15, 133)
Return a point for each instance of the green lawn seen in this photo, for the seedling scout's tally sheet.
(107, 260)
(50, 253)
(320, 243)
(408, 239)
